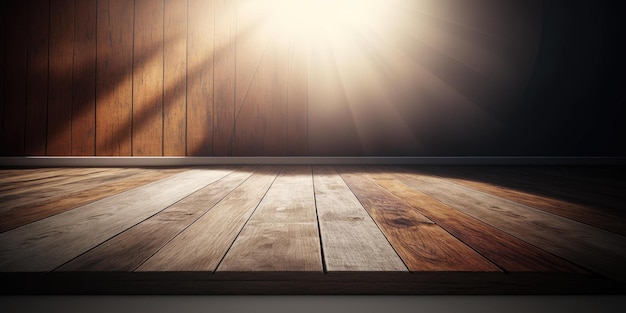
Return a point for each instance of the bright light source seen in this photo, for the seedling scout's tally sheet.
(312, 16)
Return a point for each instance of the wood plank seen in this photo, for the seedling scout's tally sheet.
(114, 77)
(131, 248)
(28, 213)
(422, 244)
(203, 244)
(593, 215)
(595, 249)
(37, 86)
(16, 78)
(47, 180)
(351, 241)
(8, 175)
(84, 79)
(200, 54)
(261, 126)
(46, 244)
(225, 43)
(175, 78)
(297, 97)
(147, 133)
(508, 252)
(282, 234)
(60, 81)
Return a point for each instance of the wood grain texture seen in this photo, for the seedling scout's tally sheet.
(282, 234)
(28, 193)
(202, 245)
(350, 239)
(225, 44)
(422, 244)
(60, 86)
(84, 79)
(200, 68)
(594, 215)
(114, 77)
(147, 134)
(134, 246)
(66, 200)
(46, 244)
(590, 247)
(37, 88)
(508, 252)
(16, 78)
(261, 127)
(175, 78)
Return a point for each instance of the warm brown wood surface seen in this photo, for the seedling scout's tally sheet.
(299, 229)
(125, 253)
(200, 69)
(595, 215)
(597, 249)
(351, 240)
(48, 243)
(282, 233)
(224, 62)
(147, 134)
(202, 246)
(174, 77)
(84, 79)
(64, 201)
(114, 85)
(421, 243)
(37, 88)
(60, 82)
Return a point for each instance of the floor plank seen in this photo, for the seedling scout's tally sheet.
(203, 244)
(422, 244)
(282, 234)
(41, 191)
(46, 244)
(598, 250)
(508, 252)
(64, 201)
(351, 241)
(131, 248)
(611, 220)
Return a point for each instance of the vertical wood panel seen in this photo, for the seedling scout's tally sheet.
(297, 99)
(114, 77)
(175, 78)
(224, 115)
(262, 122)
(200, 78)
(15, 75)
(84, 79)
(37, 85)
(60, 86)
(148, 78)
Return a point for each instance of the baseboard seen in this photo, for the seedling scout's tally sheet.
(196, 161)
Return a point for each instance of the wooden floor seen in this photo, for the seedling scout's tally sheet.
(314, 230)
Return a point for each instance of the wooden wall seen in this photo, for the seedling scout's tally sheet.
(223, 78)
(148, 78)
